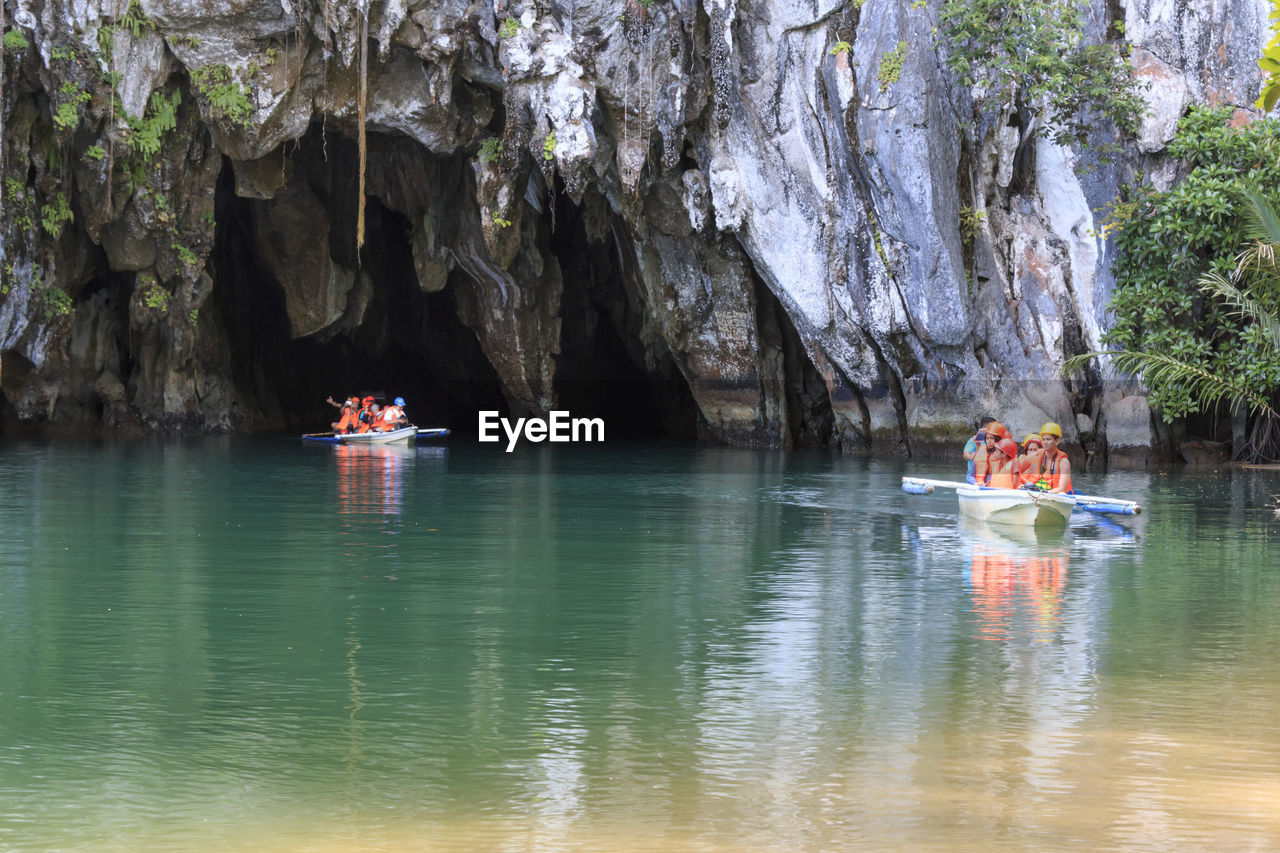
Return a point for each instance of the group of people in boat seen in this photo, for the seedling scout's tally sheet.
(995, 459)
(366, 415)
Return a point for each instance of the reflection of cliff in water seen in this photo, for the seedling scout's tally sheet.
(1016, 576)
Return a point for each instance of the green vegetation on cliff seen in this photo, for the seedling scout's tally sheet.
(14, 40)
(1197, 281)
(226, 96)
(1270, 63)
(1034, 51)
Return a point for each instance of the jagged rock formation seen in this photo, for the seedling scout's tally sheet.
(699, 216)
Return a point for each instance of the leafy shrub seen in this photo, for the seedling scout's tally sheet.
(227, 98)
(891, 66)
(55, 215)
(15, 40)
(1179, 235)
(56, 303)
(1270, 63)
(490, 149)
(157, 299)
(187, 256)
(146, 134)
(971, 222)
(1035, 49)
(134, 19)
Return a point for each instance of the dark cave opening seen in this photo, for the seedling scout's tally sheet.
(601, 372)
(393, 338)
(404, 343)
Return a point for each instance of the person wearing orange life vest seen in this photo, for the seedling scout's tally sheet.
(349, 410)
(1053, 466)
(1028, 457)
(367, 415)
(982, 459)
(1004, 460)
(392, 417)
(971, 446)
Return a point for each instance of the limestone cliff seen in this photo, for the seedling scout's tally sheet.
(696, 215)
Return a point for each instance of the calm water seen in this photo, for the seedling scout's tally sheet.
(255, 645)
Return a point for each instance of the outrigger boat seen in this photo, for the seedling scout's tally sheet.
(1015, 506)
(395, 436)
(1024, 507)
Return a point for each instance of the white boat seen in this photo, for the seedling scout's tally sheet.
(393, 436)
(404, 434)
(1015, 506)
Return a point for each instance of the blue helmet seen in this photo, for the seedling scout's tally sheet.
(399, 401)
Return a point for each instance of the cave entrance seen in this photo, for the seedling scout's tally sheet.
(603, 370)
(310, 318)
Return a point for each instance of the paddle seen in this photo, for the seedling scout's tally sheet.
(1111, 506)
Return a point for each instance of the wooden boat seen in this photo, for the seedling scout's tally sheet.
(1015, 506)
(395, 436)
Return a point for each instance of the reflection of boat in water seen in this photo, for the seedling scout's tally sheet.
(1016, 572)
(1021, 507)
(371, 477)
(1009, 536)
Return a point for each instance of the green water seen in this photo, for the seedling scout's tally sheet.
(255, 645)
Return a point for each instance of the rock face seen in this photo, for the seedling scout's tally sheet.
(700, 200)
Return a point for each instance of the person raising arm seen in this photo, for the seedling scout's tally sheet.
(971, 446)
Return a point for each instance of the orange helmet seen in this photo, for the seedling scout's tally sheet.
(1008, 447)
(998, 429)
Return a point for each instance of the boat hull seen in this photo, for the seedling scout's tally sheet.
(395, 436)
(1019, 507)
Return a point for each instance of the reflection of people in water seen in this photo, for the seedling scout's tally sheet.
(1008, 578)
(370, 478)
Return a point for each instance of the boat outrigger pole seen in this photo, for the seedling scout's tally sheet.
(1102, 505)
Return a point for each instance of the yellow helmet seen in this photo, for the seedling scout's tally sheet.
(1033, 436)
(1051, 428)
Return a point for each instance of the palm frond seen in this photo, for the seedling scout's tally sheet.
(1244, 304)
(1261, 219)
(1160, 371)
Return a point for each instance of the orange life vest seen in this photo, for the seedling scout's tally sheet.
(348, 420)
(1030, 468)
(365, 418)
(981, 462)
(1048, 470)
(388, 417)
(1003, 475)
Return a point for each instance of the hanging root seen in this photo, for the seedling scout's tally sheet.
(364, 94)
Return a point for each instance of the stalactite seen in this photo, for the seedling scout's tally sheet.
(364, 91)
